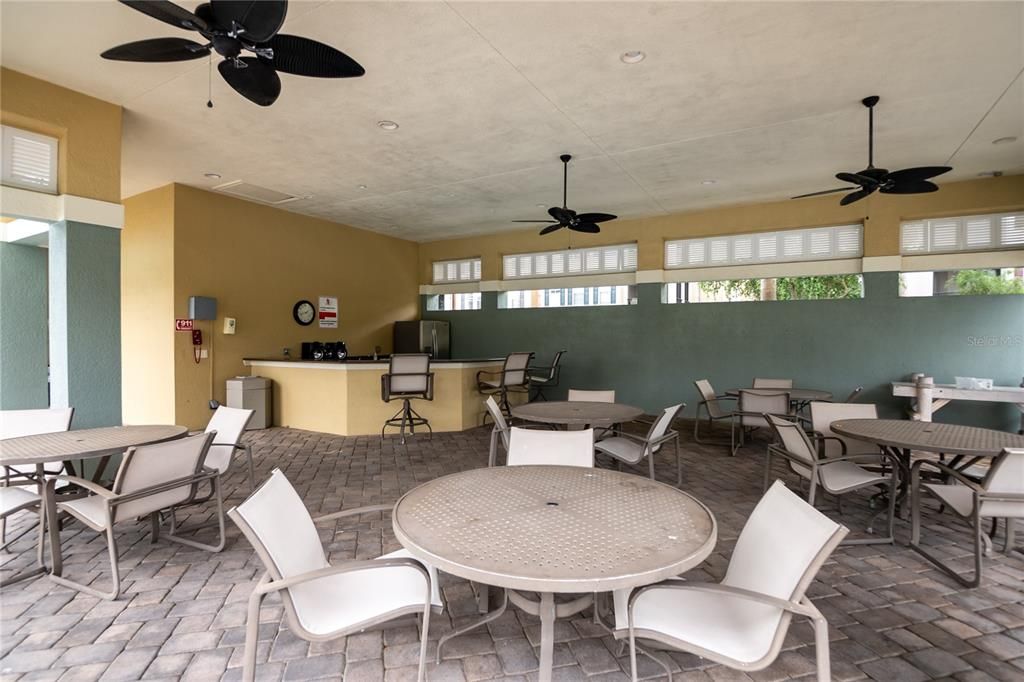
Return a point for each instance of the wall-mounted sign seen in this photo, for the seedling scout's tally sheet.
(184, 325)
(328, 312)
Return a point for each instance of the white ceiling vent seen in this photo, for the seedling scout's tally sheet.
(250, 192)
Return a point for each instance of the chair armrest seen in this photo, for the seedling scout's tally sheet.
(343, 567)
(818, 436)
(488, 371)
(749, 595)
(893, 460)
(631, 436)
(94, 488)
(915, 474)
(354, 512)
(726, 397)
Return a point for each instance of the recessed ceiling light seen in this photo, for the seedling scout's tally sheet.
(1004, 140)
(541, 206)
(362, 187)
(708, 182)
(387, 125)
(632, 57)
(212, 176)
(990, 174)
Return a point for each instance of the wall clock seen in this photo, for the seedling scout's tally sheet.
(304, 313)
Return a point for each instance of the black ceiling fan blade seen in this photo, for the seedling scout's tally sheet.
(304, 57)
(917, 174)
(261, 19)
(856, 179)
(535, 222)
(589, 228)
(917, 187)
(856, 196)
(157, 50)
(562, 215)
(169, 13)
(257, 82)
(552, 228)
(827, 191)
(595, 217)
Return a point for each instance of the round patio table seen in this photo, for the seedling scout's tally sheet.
(61, 446)
(901, 437)
(797, 395)
(551, 530)
(576, 413)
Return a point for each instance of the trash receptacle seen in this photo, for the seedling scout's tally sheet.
(252, 393)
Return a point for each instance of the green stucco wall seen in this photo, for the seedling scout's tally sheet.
(651, 353)
(23, 320)
(85, 322)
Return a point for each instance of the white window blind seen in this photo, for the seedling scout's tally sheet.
(29, 160)
(595, 260)
(818, 243)
(449, 271)
(965, 233)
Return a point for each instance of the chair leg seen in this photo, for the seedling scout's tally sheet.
(172, 536)
(115, 571)
(492, 454)
(915, 539)
(252, 631)
(1008, 544)
(424, 636)
(679, 462)
(650, 462)
(821, 648)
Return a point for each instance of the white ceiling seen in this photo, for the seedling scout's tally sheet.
(763, 98)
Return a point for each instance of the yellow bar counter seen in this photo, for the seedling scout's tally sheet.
(344, 397)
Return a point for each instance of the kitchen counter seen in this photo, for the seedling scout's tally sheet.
(344, 397)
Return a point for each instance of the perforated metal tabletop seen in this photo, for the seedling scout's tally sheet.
(554, 529)
(82, 443)
(577, 412)
(949, 439)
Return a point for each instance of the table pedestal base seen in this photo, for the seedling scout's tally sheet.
(548, 611)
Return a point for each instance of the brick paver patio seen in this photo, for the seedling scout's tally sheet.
(892, 615)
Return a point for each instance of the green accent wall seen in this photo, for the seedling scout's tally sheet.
(85, 322)
(651, 353)
(23, 321)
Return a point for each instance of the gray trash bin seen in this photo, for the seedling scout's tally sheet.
(252, 393)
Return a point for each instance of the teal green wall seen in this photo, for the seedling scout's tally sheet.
(651, 353)
(23, 346)
(85, 322)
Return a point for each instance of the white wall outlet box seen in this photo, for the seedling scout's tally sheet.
(203, 354)
(229, 325)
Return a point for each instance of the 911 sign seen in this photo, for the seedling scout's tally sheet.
(183, 325)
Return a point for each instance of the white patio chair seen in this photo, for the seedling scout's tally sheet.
(631, 449)
(742, 621)
(229, 423)
(537, 446)
(500, 431)
(712, 405)
(17, 423)
(831, 444)
(324, 601)
(999, 495)
(772, 383)
(836, 475)
(584, 395)
(751, 406)
(589, 396)
(151, 478)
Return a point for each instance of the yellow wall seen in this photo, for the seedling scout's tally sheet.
(147, 308)
(881, 215)
(257, 261)
(89, 131)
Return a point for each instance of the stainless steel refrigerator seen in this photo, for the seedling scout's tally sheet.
(424, 336)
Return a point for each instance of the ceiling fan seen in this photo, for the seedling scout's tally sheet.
(230, 27)
(566, 217)
(906, 181)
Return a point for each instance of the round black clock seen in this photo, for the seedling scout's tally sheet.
(304, 313)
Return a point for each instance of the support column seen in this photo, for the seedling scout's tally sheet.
(85, 322)
(23, 321)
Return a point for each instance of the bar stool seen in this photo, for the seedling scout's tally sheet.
(547, 378)
(408, 377)
(514, 375)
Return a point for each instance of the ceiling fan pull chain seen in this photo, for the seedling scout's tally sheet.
(209, 84)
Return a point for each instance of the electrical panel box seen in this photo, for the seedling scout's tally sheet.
(202, 308)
